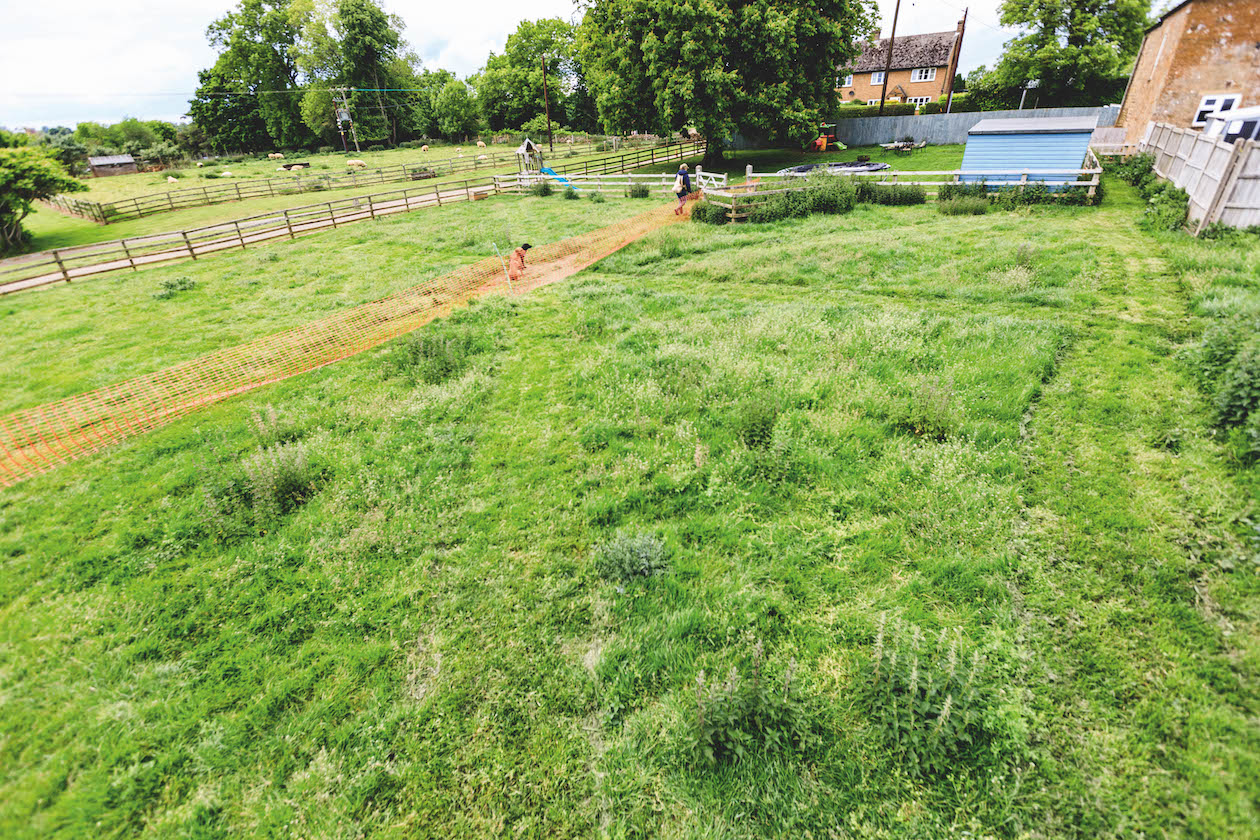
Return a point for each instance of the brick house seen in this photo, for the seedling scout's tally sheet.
(922, 71)
(1201, 56)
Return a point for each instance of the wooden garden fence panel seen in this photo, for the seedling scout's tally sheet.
(1222, 179)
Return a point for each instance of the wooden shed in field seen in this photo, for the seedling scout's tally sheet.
(1007, 148)
(112, 165)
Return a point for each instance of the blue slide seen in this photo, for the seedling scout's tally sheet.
(547, 170)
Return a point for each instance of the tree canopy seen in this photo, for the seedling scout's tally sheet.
(765, 67)
(27, 174)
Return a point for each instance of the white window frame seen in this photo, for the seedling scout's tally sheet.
(923, 74)
(872, 102)
(919, 100)
(877, 78)
(1214, 103)
(848, 81)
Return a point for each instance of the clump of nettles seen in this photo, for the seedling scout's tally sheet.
(745, 714)
(639, 191)
(924, 698)
(171, 286)
(629, 556)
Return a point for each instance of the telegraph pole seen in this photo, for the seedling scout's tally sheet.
(342, 106)
(888, 62)
(547, 107)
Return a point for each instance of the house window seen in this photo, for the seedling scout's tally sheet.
(923, 74)
(919, 100)
(877, 78)
(848, 81)
(1212, 104)
(872, 102)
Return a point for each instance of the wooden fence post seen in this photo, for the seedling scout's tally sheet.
(239, 235)
(238, 190)
(65, 275)
(332, 215)
(188, 244)
(127, 251)
(1023, 181)
(289, 223)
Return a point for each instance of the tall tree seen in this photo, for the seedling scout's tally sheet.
(228, 113)
(765, 66)
(27, 174)
(1078, 51)
(510, 86)
(456, 110)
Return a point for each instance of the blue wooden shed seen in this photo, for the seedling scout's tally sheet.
(1006, 148)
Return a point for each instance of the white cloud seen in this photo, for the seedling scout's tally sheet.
(67, 61)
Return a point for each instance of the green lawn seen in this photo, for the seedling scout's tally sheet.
(982, 425)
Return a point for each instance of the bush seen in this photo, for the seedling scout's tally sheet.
(963, 206)
(864, 191)
(640, 191)
(326, 150)
(597, 197)
(830, 194)
(958, 189)
(570, 194)
(542, 189)
(435, 356)
(891, 109)
(1238, 395)
(931, 108)
(1136, 170)
(1218, 347)
(704, 212)
(171, 286)
(744, 715)
(925, 701)
(900, 195)
(1166, 207)
(376, 148)
(629, 556)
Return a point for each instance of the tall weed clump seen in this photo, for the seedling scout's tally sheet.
(542, 189)
(434, 356)
(628, 556)
(639, 191)
(928, 700)
(931, 409)
(748, 713)
(1238, 394)
(707, 213)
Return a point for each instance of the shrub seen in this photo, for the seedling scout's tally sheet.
(830, 194)
(1238, 395)
(932, 108)
(900, 195)
(1220, 343)
(597, 197)
(864, 191)
(925, 701)
(326, 150)
(1136, 170)
(542, 189)
(963, 206)
(376, 148)
(704, 212)
(1166, 207)
(744, 715)
(628, 556)
(891, 109)
(785, 205)
(957, 189)
(171, 286)
(639, 191)
(570, 194)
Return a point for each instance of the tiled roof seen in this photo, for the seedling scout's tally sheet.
(909, 51)
(109, 160)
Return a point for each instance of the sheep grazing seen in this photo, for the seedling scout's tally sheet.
(276, 156)
(481, 157)
(356, 164)
(199, 163)
(171, 179)
(424, 148)
(480, 144)
(295, 167)
(225, 174)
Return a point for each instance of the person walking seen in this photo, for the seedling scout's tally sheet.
(682, 186)
(516, 263)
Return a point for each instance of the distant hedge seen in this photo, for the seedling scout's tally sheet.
(891, 109)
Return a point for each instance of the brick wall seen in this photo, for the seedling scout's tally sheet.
(1206, 47)
(862, 89)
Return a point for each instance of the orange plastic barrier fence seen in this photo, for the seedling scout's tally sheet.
(38, 439)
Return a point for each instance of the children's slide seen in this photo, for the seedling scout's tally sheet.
(548, 171)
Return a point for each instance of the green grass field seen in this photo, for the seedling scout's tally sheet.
(392, 598)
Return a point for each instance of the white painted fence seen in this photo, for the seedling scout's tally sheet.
(659, 182)
(1223, 180)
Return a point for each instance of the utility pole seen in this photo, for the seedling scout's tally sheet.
(888, 61)
(342, 106)
(547, 106)
(953, 62)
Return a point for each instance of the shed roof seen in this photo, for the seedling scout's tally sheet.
(909, 51)
(109, 160)
(1036, 125)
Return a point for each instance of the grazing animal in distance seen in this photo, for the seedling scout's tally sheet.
(356, 164)
(425, 147)
(171, 179)
(276, 156)
(480, 144)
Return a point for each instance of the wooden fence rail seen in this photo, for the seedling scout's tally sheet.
(205, 195)
(661, 182)
(66, 264)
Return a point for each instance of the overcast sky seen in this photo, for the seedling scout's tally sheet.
(69, 61)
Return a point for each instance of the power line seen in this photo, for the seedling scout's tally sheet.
(29, 95)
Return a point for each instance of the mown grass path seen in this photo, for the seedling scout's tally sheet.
(1146, 649)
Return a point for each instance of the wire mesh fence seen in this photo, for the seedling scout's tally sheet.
(38, 439)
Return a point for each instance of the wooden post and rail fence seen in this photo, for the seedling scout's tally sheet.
(66, 264)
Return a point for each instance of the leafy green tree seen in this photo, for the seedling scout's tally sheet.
(510, 86)
(765, 67)
(370, 44)
(27, 174)
(228, 113)
(455, 110)
(12, 139)
(1078, 51)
